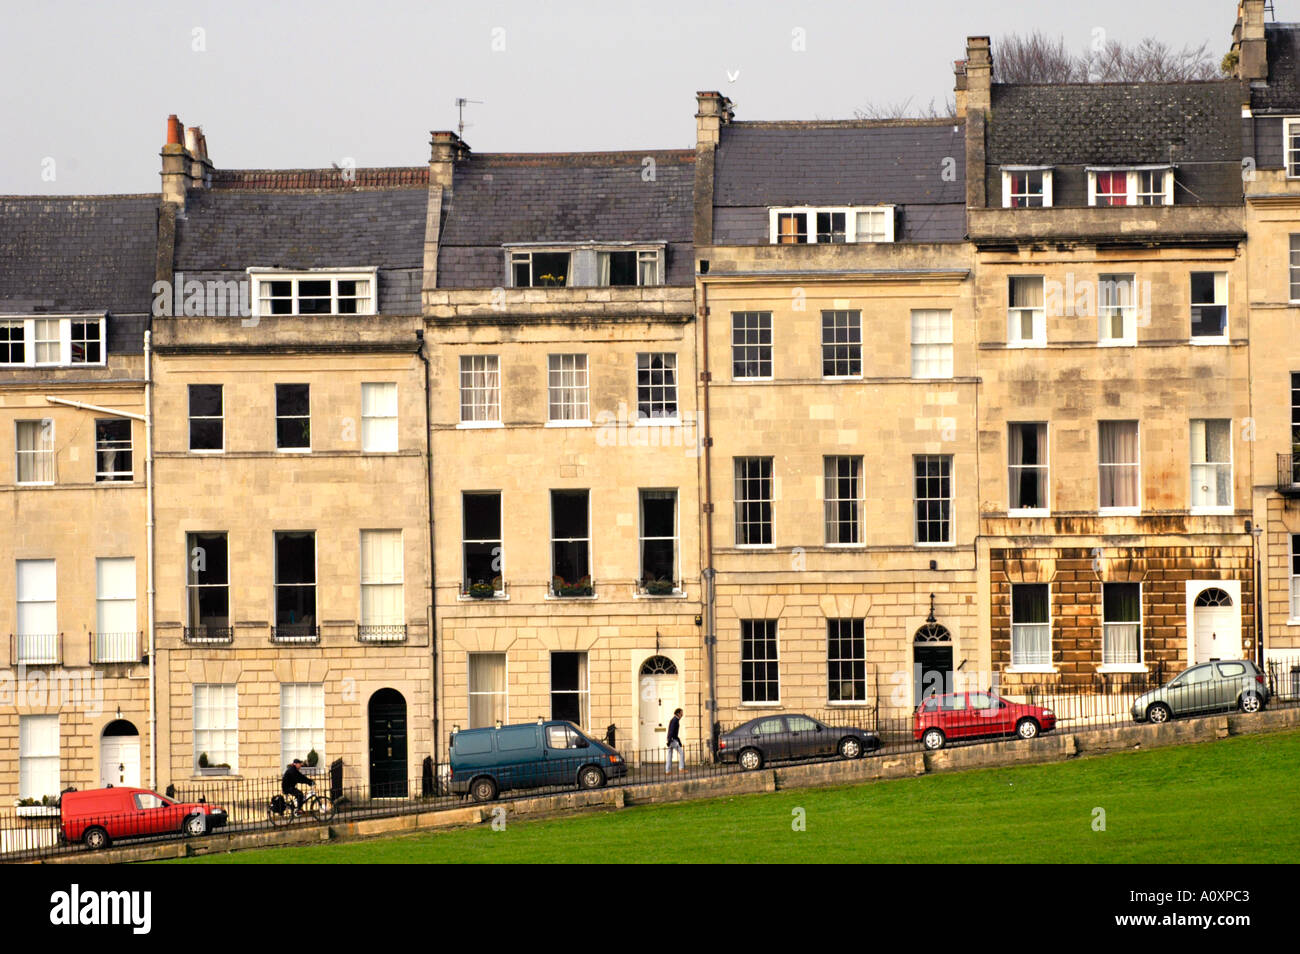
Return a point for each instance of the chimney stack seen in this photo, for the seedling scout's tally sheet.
(1248, 41)
(200, 168)
(175, 164)
(959, 87)
(445, 150)
(713, 110)
(978, 75)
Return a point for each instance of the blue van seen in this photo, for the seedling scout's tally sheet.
(486, 762)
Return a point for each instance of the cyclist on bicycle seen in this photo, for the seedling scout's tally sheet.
(293, 777)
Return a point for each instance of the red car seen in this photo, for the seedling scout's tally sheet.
(966, 715)
(99, 816)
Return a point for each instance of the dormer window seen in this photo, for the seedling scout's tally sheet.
(539, 269)
(606, 265)
(806, 225)
(323, 292)
(1132, 185)
(51, 340)
(628, 268)
(1291, 147)
(1026, 187)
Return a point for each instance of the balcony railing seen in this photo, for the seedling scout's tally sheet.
(295, 634)
(1288, 474)
(372, 633)
(115, 647)
(209, 635)
(36, 649)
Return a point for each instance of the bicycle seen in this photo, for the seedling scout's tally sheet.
(282, 810)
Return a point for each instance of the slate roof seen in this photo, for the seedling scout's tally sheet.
(77, 253)
(504, 198)
(898, 162)
(1282, 93)
(1115, 123)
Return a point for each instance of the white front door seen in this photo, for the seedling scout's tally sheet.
(119, 760)
(1218, 633)
(660, 695)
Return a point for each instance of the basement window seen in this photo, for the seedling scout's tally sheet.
(539, 269)
(1026, 187)
(807, 225)
(52, 341)
(313, 293)
(1137, 185)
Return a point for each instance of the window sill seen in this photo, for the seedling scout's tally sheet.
(1119, 512)
(1208, 342)
(846, 546)
(944, 545)
(1121, 343)
(1122, 668)
(658, 422)
(568, 424)
(841, 377)
(735, 380)
(571, 599)
(755, 546)
(761, 705)
(1042, 670)
(1293, 622)
(478, 425)
(1212, 511)
(293, 450)
(674, 595)
(933, 377)
(194, 450)
(846, 703)
(1025, 345)
(498, 597)
(34, 483)
(1030, 512)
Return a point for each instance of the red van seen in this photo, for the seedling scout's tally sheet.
(99, 816)
(965, 715)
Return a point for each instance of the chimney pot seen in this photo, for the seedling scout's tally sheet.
(174, 134)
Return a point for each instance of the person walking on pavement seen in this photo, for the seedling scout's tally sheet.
(675, 743)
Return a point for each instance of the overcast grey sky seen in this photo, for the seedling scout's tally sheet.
(89, 85)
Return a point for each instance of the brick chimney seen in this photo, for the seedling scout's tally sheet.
(445, 150)
(712, 111)
(1248, 41)
(175, 164)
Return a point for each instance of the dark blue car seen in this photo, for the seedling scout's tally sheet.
(486, 762)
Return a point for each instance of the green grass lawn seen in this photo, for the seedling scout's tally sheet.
(1224, 802)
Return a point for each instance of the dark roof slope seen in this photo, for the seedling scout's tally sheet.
(223, 232)
(499, 199)
(919, 165)
(1282, 92)
(1115, 123)
(78, 253)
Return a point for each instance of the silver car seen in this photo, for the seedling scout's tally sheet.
(1209, 687)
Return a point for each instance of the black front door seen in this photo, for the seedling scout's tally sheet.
(932, 669)
(387, 744)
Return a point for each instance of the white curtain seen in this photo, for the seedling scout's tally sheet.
(480, 388)
(38, 756)
(568, 387)
(381, 578)
(115, 618)
(487, 689)
(1119, 464)
(602, 265)
(302, 721)
(35, 451)
(379, 416)
(1211, 463)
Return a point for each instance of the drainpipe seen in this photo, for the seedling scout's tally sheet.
(709, 574)
(433, 599)
(147, 419)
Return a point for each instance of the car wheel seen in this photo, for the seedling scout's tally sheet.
(95, 838)
(1251, 702)
(483, 789)
(1158, 713)
(1027, 728)
(751, 759)
(933, 739)
(195, 825)
(591, 777)
(850, 748)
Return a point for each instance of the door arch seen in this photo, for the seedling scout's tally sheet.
(931, 662)
(119, 754)
(387, 725)
(659, 691)
(1216, 625)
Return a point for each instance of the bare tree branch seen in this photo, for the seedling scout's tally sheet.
(903, 110)
(1036, 58)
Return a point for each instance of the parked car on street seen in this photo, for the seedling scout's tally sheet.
(773, 738)
(100, 816)
(968, 715)
(1209, 687)
(486, 762)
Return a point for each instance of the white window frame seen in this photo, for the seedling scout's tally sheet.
(830, 483)
(115, 476)
(932, 352)
(1140, 665)
(667, 370)
(115, 644)
(1008, 196)
(521, 253)
(1131, 181)
(1120, 511)
(64, 340)
(1219, 286)
(313, 706)
(45, 425)
(37, 762)
(1046, 467)
(770, 500)
(259, 277)
(951, 465)
(229, 709)
(646, 255)
(1293, 269)
(1290, 156)
(579, 372)
(1108, 309)
(853, 623)
(190, 418)
(499, 541)
(850, 320)
(675, 538)
(41, 647)
(1038, 316)
(752, 323)
(1011, 649)
(376, 578)
(583, 692)
(504, 694)
(850, 213)
(369, 441)
(491, 405)
(288, 417)
(775, 636)
(1214, 466)
(1293, 576)
(553, 539)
